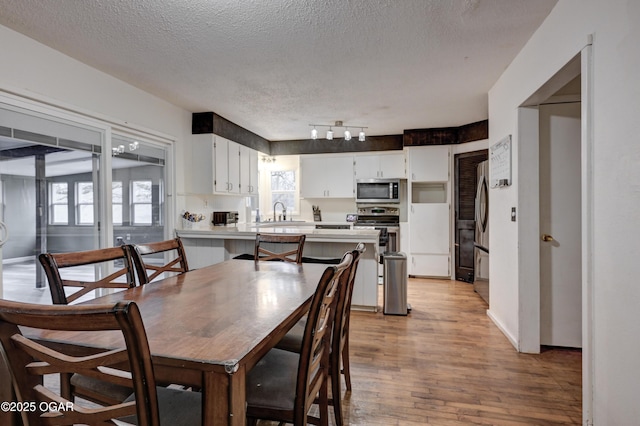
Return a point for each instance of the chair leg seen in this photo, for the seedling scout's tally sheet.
(345, 364)
(65, 386)
(324, 404)
(336, 395)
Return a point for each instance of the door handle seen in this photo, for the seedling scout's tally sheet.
(547, 237)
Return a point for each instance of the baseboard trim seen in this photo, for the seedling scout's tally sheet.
(504, 331)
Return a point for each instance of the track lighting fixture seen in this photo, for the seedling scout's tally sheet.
(329, 135)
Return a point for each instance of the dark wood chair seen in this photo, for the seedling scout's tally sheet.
(29, 361)
(339, 360)
(291, 247)
(52, 263)
(88, 387)
(283, 385)
(148, 271)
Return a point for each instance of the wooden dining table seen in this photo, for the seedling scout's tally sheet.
(208, 327)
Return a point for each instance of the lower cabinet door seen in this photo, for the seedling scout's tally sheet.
(430, 265)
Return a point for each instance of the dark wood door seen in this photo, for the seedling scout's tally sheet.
(465, 225)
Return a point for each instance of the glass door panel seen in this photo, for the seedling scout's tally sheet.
(48, 169)
(139, 191)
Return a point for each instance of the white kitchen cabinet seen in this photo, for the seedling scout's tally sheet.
(326, 176)
(382, 165)
(218, 166)
(429, 265)
(227, 169)
(429, 244)
(429, 163)
(202, 164)
(248, 171)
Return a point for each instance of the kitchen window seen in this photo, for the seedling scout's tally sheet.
(58, 203)
(284, 188)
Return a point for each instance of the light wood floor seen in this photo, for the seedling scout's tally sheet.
(448, 364)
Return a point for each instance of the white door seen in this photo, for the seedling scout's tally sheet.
(560, 226)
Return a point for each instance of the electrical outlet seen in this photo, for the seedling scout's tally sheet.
(513, 214)
(128, 237)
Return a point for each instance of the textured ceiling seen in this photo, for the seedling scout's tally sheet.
(274, 66)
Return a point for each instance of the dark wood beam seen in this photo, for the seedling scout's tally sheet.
(447, 135)
(337, 145)
(210, 122)
(474, 131)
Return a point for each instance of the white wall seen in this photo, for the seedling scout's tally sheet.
(616, 188)
(33, 70)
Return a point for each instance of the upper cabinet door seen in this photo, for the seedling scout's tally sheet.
(429, 163)
(222, 164)
(233, 151)
(202, 164)
(245, 170)
(367, 166)
(392, 166)
(326, 176)
(248, 171)
(387, 165)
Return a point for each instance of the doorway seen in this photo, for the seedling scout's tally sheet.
(465, 168)
(56, 197)
(560, 224)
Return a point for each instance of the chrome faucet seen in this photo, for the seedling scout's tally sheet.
(284, 210)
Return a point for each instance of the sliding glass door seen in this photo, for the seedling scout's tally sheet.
(45, 163)
(55, 198)
(138, 204)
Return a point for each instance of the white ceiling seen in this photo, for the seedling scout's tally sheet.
(275, 66)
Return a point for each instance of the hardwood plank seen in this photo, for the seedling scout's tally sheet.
(448, 364)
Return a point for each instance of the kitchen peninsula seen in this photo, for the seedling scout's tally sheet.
(215, 244)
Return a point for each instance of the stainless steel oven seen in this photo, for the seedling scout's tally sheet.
(385, 219)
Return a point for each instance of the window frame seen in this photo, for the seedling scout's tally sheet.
(52, 216)
(120, 204)
(133, 203)
(295, 191)
(79, 205)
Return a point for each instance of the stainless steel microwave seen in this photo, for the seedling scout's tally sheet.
(378, 191)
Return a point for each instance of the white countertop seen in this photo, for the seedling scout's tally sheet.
(249, 231)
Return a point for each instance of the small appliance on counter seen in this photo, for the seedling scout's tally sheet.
(224, 218)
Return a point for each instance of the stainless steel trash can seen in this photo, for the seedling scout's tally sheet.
(395, 283)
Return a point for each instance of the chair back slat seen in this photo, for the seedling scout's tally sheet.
(316, 343)
(29, 360)
(148, 271)
(290, 247)
(344, 304)
(52, 264)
